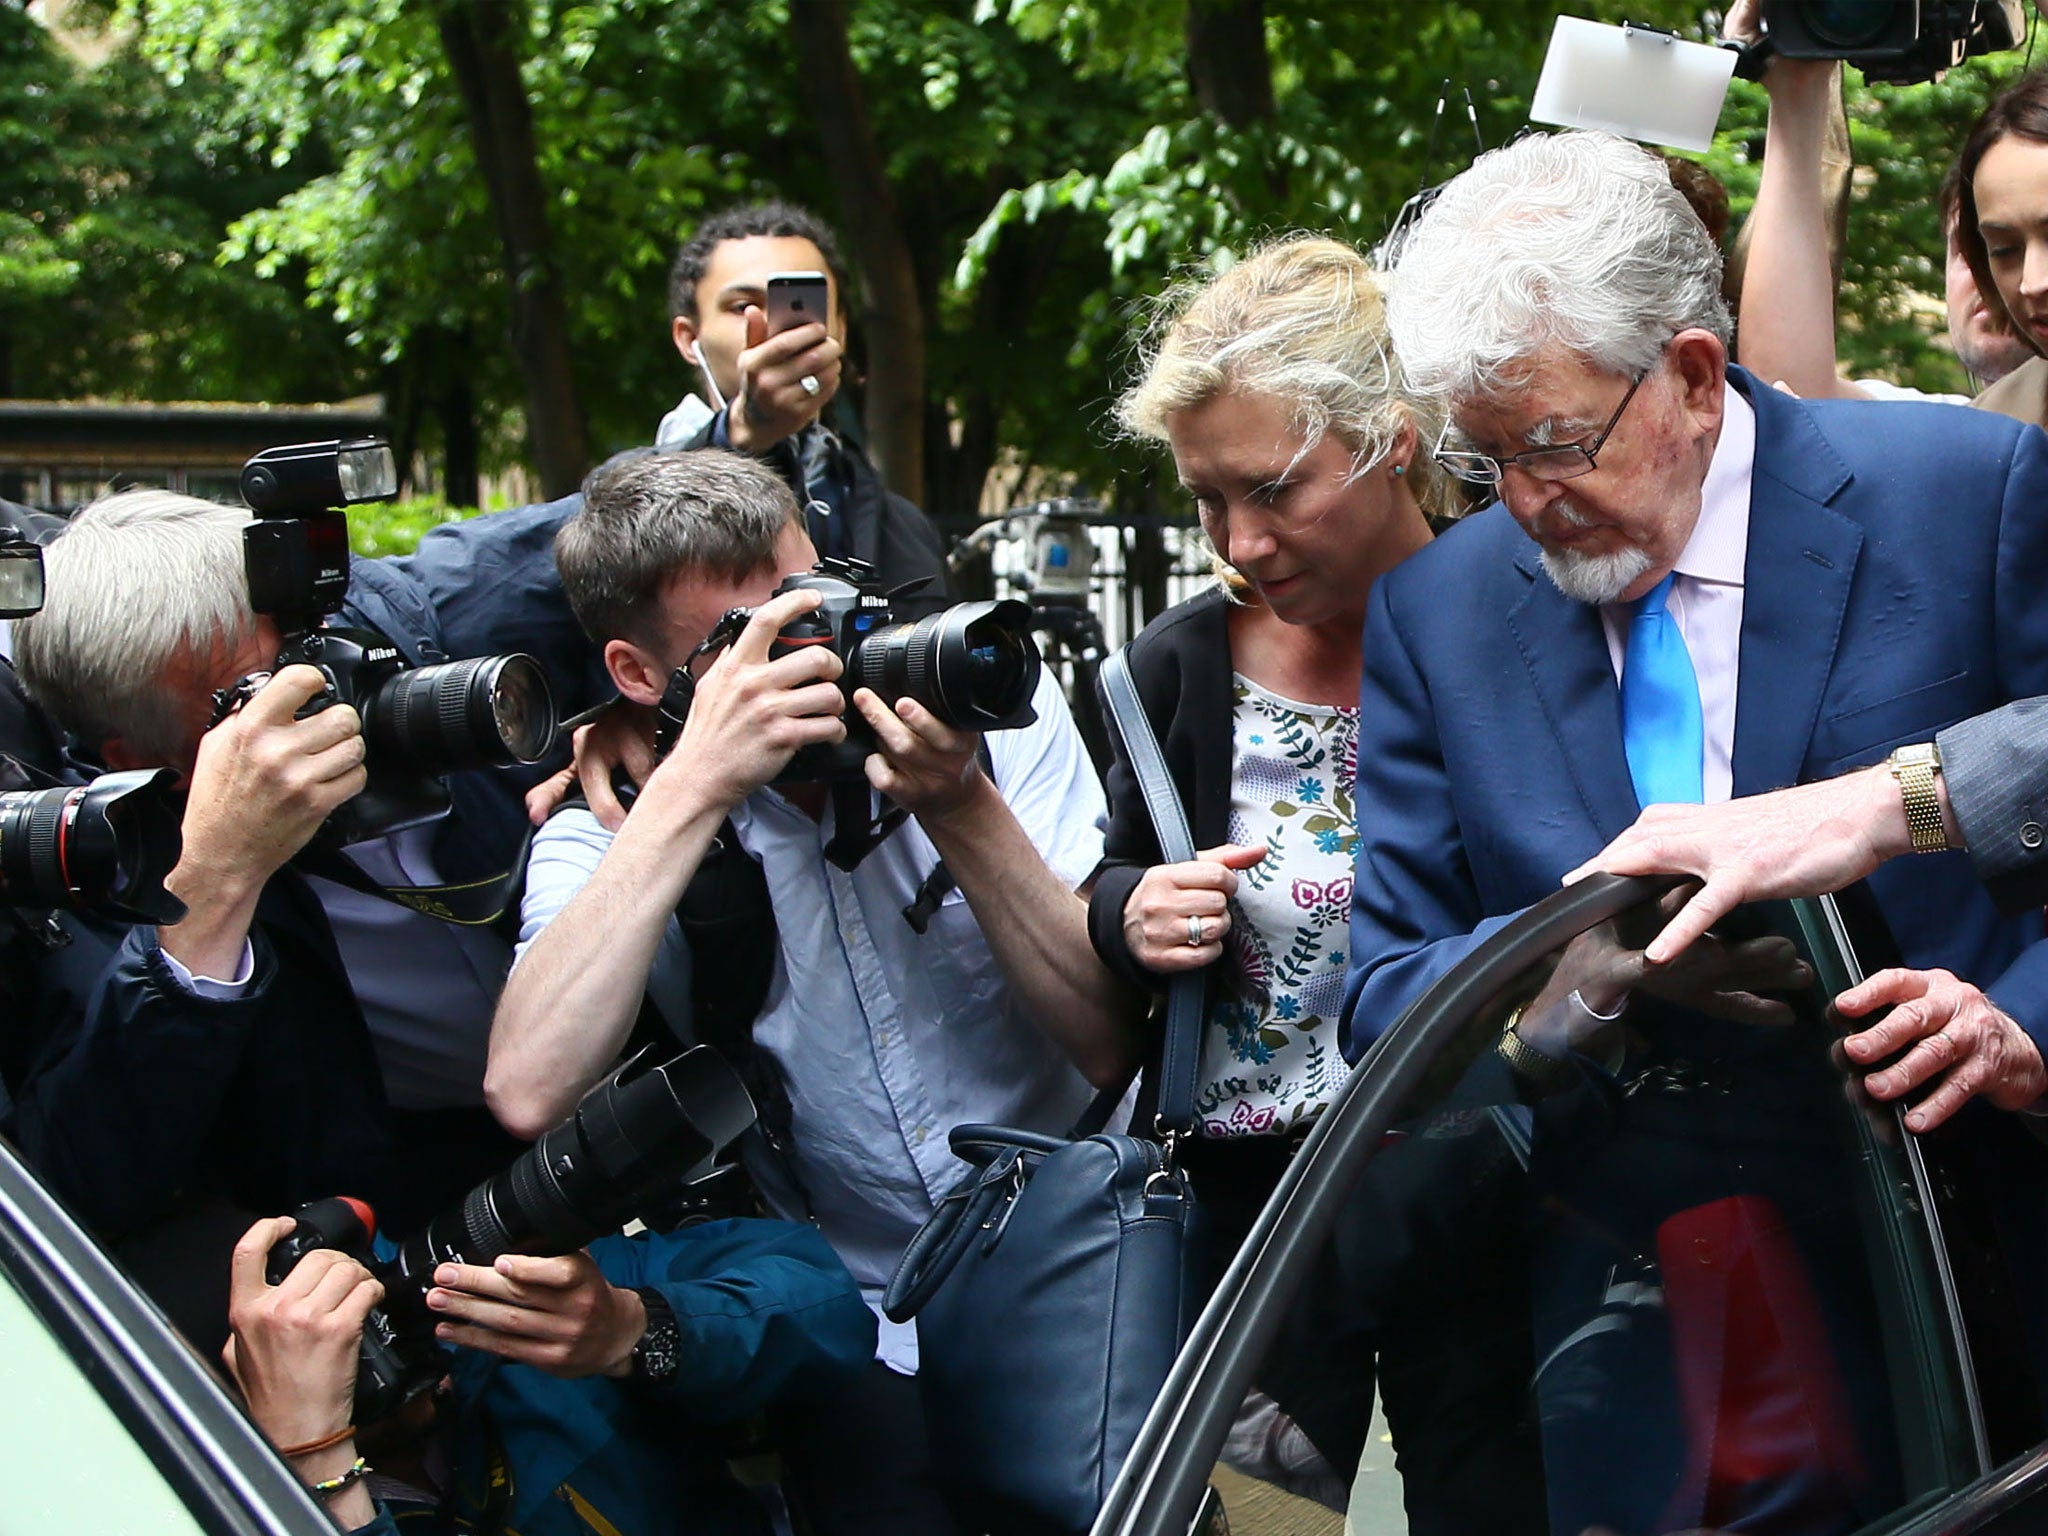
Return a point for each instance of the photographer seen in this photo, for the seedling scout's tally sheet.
(557, 1416)
(876, 1035)
(772, 392)
(345, 1037)
(1787, 312)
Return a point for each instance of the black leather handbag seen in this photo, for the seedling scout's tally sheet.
(1052, 1285)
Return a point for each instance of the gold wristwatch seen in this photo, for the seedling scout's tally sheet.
(1545, 1074)
(1916, 767)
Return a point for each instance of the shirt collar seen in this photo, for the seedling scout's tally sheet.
(1720, 538)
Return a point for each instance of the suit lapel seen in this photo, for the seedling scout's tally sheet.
(1564, 647)
(1797, 572)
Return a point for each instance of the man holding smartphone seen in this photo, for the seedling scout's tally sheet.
(757, 306)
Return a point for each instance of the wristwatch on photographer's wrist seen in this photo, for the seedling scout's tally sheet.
(660, 1349)
(1916, 767)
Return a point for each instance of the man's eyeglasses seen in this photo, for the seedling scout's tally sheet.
(1567, 461)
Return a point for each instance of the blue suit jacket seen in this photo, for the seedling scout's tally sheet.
(1893, 585)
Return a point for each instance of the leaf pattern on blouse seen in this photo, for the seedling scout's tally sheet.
(1270, 1061)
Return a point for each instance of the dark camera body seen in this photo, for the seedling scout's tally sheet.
(419, 723)
(632, 1143)
(398, 1358)
(973, 665)
(1898, 42)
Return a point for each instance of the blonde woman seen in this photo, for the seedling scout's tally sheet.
(1276, 390)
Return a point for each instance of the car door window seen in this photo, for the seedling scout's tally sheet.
(1685, 1282)
(66, 1460)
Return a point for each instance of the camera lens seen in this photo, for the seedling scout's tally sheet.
(631, 1137)
(103, 848)
(1849, 23)
(974, 665)
(485, 712)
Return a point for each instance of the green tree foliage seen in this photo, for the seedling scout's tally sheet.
(114, 196)
(1054, 165)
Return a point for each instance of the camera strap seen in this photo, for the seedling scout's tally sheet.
(466, 904)
(856, 830)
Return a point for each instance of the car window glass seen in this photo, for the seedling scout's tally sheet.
(1683, 1283)
(67, 1462)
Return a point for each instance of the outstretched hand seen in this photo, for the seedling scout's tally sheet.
(559, 1315)
(1792, 842)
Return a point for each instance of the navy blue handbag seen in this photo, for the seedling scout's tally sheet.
(1051, 1287)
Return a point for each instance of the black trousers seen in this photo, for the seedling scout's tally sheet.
(859, 1462)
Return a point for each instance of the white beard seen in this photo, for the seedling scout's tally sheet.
(1595, 579)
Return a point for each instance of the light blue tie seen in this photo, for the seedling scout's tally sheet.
(1660, 706)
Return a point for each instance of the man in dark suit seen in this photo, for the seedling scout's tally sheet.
(1798, 588)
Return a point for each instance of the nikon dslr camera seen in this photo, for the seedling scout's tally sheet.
(419, 722)
(973, 665)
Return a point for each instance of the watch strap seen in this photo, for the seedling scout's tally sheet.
(1914, 768)
(1545, 1074)
(659, 1350)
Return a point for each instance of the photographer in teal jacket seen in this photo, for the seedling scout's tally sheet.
(570, 1406)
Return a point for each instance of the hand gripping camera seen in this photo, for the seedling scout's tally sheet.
(419, 723)
(633, 1141)
(1899, 42)
(973, 665)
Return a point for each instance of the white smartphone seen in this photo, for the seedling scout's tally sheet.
(797, 298)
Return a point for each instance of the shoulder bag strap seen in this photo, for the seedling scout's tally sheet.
(1184, 993)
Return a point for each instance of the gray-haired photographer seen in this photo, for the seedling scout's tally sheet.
(341, 1038)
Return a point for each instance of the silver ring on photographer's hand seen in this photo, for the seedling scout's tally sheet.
(1195, 939)
(811, 385)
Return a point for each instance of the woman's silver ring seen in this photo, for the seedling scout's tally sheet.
(1195, 939)
(810, 384)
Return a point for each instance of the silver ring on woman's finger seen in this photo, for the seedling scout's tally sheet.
(1195, 938)
(810, 384)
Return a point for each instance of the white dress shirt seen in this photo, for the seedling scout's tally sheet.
(1706, 599)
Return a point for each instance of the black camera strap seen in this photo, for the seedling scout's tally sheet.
(856, 830)
(466, 904)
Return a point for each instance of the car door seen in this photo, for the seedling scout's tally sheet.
(1696, 1282)
(108, 1422)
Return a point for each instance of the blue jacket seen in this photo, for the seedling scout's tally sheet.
(768, 1314)
(1892, 587)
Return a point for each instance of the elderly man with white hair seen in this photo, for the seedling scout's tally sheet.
(1691, 588)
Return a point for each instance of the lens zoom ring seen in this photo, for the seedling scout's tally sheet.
(451, 702)
(46, 841)
(920, 661)
(483, 1235)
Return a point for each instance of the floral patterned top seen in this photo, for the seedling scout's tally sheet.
(1270, 1062)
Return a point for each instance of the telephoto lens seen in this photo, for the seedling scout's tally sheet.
(631, 1143)
(974, 665)
(485, 712)
(103, 849)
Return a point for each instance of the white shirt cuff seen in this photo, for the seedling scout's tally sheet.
(212, 988)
